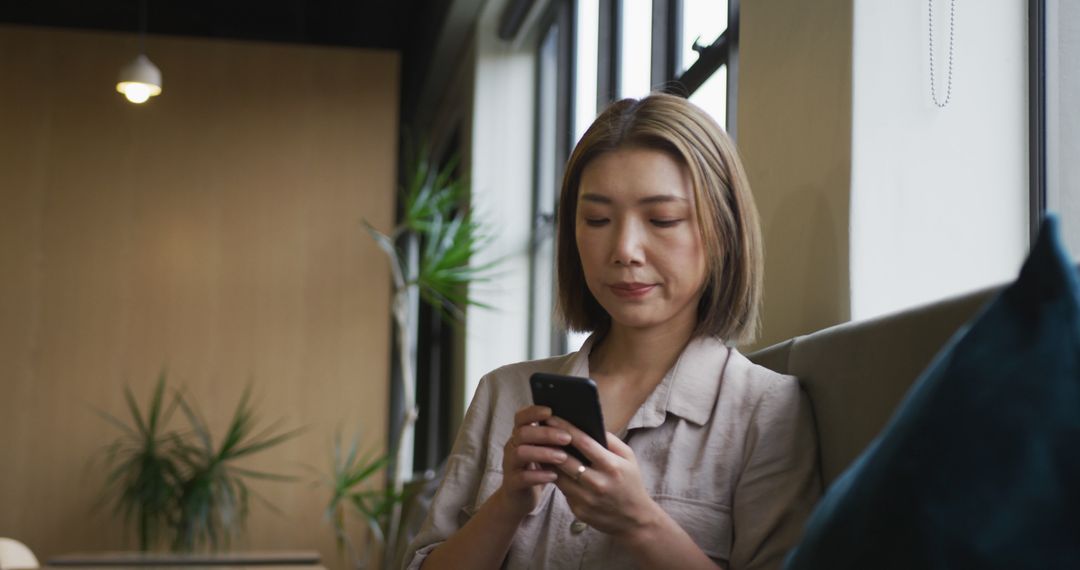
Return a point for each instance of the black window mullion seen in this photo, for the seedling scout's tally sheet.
(564, 109)
(609, 53)
(435, 339)
(564, 118)
(545, 164)
(1036, 114)
(732, 62)
(710, 58)
(539, 222)
(666, 41)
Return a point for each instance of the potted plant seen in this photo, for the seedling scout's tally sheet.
(430, 252)
(143, 471)
(355, 491)
(180, 487)
(359, 494)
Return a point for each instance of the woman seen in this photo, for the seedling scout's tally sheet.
(710, 459)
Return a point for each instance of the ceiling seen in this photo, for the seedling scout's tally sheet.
(385, 24)
(419, 29)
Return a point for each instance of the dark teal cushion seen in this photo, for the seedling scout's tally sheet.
(980, 466)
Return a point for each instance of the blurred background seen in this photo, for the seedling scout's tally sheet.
(899, 153)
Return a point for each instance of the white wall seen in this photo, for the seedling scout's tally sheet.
(502, 174)
(873, 199)
(1063, 117)
(939, 197)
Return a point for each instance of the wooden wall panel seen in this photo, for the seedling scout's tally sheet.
(215, 232)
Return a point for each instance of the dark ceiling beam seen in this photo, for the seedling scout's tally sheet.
(375, 24)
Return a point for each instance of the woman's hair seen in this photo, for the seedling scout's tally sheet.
(731, 299)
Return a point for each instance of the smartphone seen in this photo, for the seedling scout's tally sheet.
(573, 399)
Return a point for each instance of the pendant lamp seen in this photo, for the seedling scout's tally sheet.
(141, 79)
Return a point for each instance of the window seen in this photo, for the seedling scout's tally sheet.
(703, 22)
(712, 96)
(435, 341)
(635, 49)
(587, 44)
(591, 53)
(553, 139)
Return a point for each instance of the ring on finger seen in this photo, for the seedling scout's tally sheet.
(579, 472)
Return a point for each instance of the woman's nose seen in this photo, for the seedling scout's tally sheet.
(627, 249)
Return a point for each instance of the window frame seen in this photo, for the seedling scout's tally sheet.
(561, 14)
(723, 51)
(1037, 136)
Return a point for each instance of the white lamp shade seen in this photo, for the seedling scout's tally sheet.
(139, 80)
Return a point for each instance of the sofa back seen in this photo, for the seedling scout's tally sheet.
(857, 373)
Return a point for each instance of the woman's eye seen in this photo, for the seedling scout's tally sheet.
(595, 222)
(665, 223)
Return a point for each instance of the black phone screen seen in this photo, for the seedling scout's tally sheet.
(573, 399)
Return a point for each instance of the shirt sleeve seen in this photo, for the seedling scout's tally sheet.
(780, 481)
(458, 490)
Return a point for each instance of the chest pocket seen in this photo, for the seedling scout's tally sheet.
(709, 524)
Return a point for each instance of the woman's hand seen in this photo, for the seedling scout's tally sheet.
(608, 495)
(531, 445)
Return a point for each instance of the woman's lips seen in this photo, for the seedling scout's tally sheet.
(631, 290)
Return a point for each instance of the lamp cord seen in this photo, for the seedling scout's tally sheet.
(142, 26)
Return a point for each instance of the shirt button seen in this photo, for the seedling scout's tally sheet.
(578, 527)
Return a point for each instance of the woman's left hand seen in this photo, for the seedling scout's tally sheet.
(607, 495)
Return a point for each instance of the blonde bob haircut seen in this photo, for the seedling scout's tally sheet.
(731, 299)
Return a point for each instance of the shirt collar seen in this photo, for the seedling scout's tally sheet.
(688, 390)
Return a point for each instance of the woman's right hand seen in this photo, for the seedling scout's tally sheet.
(531, 445)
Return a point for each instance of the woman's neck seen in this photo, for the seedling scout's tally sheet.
(637, 356)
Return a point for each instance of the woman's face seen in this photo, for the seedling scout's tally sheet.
(638, 238)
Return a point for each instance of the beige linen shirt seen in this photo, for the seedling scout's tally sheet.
(726, 447)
